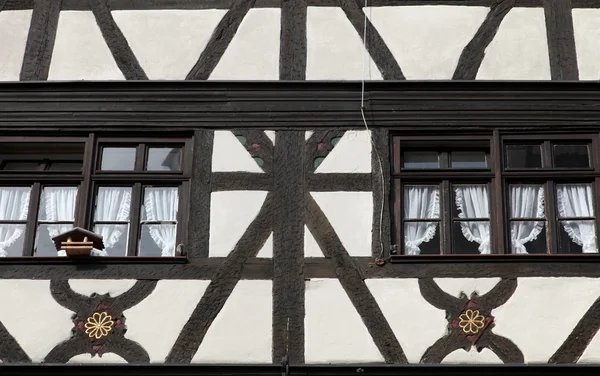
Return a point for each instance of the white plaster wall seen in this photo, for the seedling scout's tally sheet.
(335, 50)
(351, 215)
(80, 52)
(155, 323)
(230, 214)
(242, 331)
(230, 155)
(33, 317)
(586, 24)
(334, 331)
(311, 248)
(352, 153)
(87, 358)
(253, 54)
(427, 40)
(520, 49)
(456, 286)
(267, 250)
(542, 313)
(14, 27)
(461, 356)
(114, 287)
(167, 43)
(416, 323)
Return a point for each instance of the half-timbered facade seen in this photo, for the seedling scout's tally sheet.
(295, 185)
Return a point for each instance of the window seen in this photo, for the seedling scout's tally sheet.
(533, 195)
(129, 191)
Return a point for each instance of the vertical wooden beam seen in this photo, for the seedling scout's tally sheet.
(288, 247)
(561, 40)
(40, 40)
(292, 51)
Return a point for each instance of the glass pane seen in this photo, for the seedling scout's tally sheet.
(471, 201)
(577, 237)
(571, 156)
(66, 166)
(158, 240)
(527, 201)
(114, 238)
(528, 237)
(113, 204)
(20, 166)
(467, 159)
(14, 203)
(471, 237)
(575, 200)
(421, 238)
(160, 204)
(420, 159)
(164, 159)
(44, 246)
(13, 239)
(524, 156)
(118, 159)
(421, 201)
(57, 204)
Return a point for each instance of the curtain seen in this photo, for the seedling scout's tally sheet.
(576, 200)
(472, 202)
(112, 204)
(420, 202)
(161, 204)
(14, 204)
(59, 206)
(526, 201)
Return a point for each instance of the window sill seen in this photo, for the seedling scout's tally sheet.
(31, 260)
(543, 259)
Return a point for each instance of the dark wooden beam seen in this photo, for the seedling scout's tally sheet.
(292, 50)
(561, 40)
(40, 40)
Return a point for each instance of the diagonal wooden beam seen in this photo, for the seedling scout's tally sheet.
(259, 146)
(319, 145)
(10, 350)
(375, 45)
(121, 52)
(40, 40)
(472, 55)
(220, 40)
(353, 283)
(561, 40)
(222, 285)
(292, 51)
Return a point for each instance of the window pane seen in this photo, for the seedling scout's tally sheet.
(471, 237)
(571, 156)
(467, 159)
(113, 204)
(577, 237)
(20, 166)
(160, 204)
(158, 240)
(118, 159)
(114, 238)
(420, 159)
(44, 246)
(528, 237)
(421, 238)
(12, 238)
(66, 166)
(524, 156)
(574, 200)
(164, 159)
(421, 201)
(14, 203)
(57, 204)
(527, 201)
(471, 201)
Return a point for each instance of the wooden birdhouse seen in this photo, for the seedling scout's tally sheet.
(78, 242)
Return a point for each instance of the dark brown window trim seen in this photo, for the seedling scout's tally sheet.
(496, 258)
(111, 260)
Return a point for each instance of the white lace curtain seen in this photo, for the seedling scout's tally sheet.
(420, 202)
(472, 202)
(576, 200)
(526, 201)
(14, 204)
(160, 204)
(113, 205)
(59, 206)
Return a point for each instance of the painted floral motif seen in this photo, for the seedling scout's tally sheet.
(471, 321)
(98, 325)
